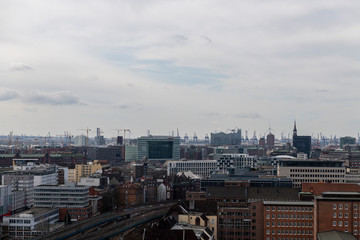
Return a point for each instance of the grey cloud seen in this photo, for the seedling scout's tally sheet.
(135, 106)
(206, 38)
(8, 94)
(247, 115)
(321, 90)
(212, 114)
(52, 98)
(181, 38)
(19, 66)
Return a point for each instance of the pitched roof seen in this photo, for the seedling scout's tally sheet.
(335, 235)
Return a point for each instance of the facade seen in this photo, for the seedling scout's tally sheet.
(202, 168)
(338, 211)
(21, 181)
(31, 223)
(72, 199)
(307, 171)
(221, 139)
(63, 175)
(302, 144)
(288, 220)
(80, 141)
(131, 152)
(84, 170)
(130, 194)
(270, 140)
(5, 200)
(113, 154)
(237, 161)
(346, 140)
(160, 148)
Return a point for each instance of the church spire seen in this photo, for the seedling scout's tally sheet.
(294, 131)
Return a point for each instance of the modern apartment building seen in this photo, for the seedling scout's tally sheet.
(203, 168)
(237, 161)
(85, 170)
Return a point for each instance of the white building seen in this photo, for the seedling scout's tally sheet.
(31, 223)
(238, 161)
(161, 193)
(300, 171)
(62, 196)
(203, 168)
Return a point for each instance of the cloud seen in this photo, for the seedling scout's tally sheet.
(52, 98)
(247, 115)
(321, 90)
(8, 94)
(206, 39)
(135, 106)
(19, 66)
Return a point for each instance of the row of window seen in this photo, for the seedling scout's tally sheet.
(291, 216)
(340, 215)
(346, 206)
(340, 223)
(18, 221)
(290, 224)
(289, 238)
(291, 209)
(289, 232)
(317, 170)
(317, 175)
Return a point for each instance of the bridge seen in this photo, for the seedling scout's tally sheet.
(108, 225)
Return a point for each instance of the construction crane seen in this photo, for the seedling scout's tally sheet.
(122, 130)
(87, 134)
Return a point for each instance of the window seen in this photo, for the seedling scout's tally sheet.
(346, 215)
(334, 223)
(340, 223)
(334, 206)
(340, 206)
(340, 215)
(346, 206)
(334, 214)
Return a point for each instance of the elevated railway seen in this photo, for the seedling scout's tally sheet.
(106, 225)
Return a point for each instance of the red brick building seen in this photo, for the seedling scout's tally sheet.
(130, 194)
(288, 220)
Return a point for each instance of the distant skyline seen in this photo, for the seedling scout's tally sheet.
(197, 66)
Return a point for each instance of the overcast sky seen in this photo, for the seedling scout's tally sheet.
(199, 66)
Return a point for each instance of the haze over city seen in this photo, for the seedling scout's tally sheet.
(196, 66)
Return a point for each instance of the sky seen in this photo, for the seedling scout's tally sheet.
(199, 66)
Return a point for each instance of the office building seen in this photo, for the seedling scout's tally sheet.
(159, 148)
(31, 223)
(221, 138)
(112, 154)
(203, 168)
(71, 198)
(311, 171)
(346, 140)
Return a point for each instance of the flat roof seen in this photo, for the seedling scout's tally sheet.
(289, 203)
(33, 212)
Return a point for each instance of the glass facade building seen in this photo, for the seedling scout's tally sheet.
(159, 148)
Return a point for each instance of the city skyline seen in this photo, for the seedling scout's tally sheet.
(201, 66)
